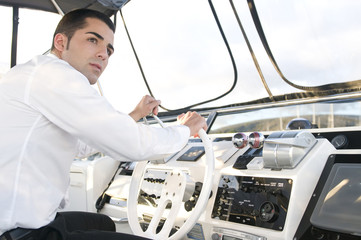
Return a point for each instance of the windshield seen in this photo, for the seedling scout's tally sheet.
(311, 115)
(185, 60)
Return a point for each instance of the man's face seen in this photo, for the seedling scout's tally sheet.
(89, 49)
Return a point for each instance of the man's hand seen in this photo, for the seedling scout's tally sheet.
(194, 121)
(146, 106)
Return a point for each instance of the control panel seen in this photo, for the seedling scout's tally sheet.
(255, 201)
(260, 189)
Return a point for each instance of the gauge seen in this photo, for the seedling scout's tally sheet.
(339, 141)
(268, 212)
(299, 123)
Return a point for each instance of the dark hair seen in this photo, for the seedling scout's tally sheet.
(75, 20)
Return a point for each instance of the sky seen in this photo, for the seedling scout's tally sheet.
(185, 59)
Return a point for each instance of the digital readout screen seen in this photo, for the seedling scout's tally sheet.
(192, 155)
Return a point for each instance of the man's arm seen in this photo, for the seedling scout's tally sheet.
(148, 105)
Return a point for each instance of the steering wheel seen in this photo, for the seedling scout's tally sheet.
(172, 192)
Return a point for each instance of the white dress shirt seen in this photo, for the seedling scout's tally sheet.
(46, 108)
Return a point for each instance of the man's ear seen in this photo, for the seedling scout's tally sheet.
(60, 42)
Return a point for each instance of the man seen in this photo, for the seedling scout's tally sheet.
(48, 107)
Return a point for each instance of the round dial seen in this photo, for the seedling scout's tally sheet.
(299, 123)
(268, 212)
(339, 141)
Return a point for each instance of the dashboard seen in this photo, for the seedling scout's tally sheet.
(260, 191)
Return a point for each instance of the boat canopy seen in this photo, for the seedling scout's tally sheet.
(105, 6)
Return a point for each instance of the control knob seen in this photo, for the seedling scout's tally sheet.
(240, 140)
(268, 212)
(256, 140)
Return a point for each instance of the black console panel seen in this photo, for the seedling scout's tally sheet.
(256, 201)
(338, 217)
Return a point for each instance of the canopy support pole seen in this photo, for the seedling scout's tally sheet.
(14, 41)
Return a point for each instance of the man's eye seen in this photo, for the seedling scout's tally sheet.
(93, 40)
(110, 52)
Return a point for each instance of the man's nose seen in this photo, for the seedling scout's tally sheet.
(103, 53)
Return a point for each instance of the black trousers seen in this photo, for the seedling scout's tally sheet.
(81, 226)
